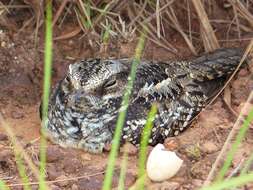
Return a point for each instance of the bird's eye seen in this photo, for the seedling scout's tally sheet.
(110, 83)
(68, 79)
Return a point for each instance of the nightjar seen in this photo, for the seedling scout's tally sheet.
(84, 105)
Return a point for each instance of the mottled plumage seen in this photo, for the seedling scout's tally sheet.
(84, 105)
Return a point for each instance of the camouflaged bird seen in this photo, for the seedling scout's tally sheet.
(83, 107)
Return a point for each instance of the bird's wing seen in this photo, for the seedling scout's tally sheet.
(219, 63)
(155, 83)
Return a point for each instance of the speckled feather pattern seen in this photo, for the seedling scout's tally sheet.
(84, 105)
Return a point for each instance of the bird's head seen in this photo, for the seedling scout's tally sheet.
(102, 79)
(89, 99)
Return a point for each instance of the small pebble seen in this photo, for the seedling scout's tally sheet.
(171, 143)
(197, 182)
(5, 154)
(86, 157)
(3, 137)
(129, 148)
(90, 184)
(52, 172)
(55, 187)
(74, 187)
(107, 147)
(34, 187)
(209, 147)
(164, 186)
(17, 115)
(200, 169)
(3, 44)
(64, 181)
(243, 72)
(54, 154)
(72, 165)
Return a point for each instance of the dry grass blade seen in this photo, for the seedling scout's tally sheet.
(68, 35)
(243, 11)
(59, 11)
(5, 20)
(138, 14)
(158, 22)
(221, 21)
(163, 8)
(96, 19)
(172, 16)
(237, 22)
(107, 8)
(38, 11)
(227, 100)
(87, 14)
(14, 6)
(5, 7)
(209, 38)
(19, 147)
(152, 32)
(153, 39)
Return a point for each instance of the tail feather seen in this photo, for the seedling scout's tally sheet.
(219, 63)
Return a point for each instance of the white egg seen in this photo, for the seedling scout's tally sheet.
(162, 164)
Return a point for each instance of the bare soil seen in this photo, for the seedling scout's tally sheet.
(21, 73)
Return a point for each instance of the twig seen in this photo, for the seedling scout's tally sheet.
(58, 180)
(236, 170)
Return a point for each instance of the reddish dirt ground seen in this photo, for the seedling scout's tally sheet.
(21, 66)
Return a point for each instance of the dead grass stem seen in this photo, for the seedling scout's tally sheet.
(209, 39)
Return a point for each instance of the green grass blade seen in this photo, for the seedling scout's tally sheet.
(235, 146)
(231, 183)
(3, 186)
(247, 165)
(122, 176)
(87, 13)
(144, 143)
(106, 34)
(22, 171)
(122, 114)
(46, 89)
